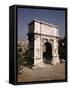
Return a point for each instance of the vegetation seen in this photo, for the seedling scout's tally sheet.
(61, 49)
(22, 54)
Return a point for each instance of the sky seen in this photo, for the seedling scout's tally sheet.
(26, 15)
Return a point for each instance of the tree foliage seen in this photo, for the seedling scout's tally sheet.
(61, 49)
(22, 54)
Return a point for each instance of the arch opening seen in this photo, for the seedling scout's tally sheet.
(47, 52)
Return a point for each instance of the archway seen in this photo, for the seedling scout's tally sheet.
(47, 52)
(45, 37)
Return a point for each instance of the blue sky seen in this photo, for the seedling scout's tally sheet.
(26, 15)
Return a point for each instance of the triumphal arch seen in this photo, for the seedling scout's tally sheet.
(43, 43)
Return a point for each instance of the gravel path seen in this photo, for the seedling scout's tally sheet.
(50, 72)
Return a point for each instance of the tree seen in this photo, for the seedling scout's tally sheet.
(22, 53)
(61, 48)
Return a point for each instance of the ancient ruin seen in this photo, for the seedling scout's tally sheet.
(43, 43)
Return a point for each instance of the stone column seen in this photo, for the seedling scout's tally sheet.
(37, 50)
(55, 58)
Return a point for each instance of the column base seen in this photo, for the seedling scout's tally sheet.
(38, 63)
(55, 60)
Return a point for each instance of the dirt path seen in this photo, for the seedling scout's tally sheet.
(50, 72)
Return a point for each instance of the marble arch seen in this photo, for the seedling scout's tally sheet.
(39, 33)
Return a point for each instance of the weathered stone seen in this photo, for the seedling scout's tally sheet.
(43, 43)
